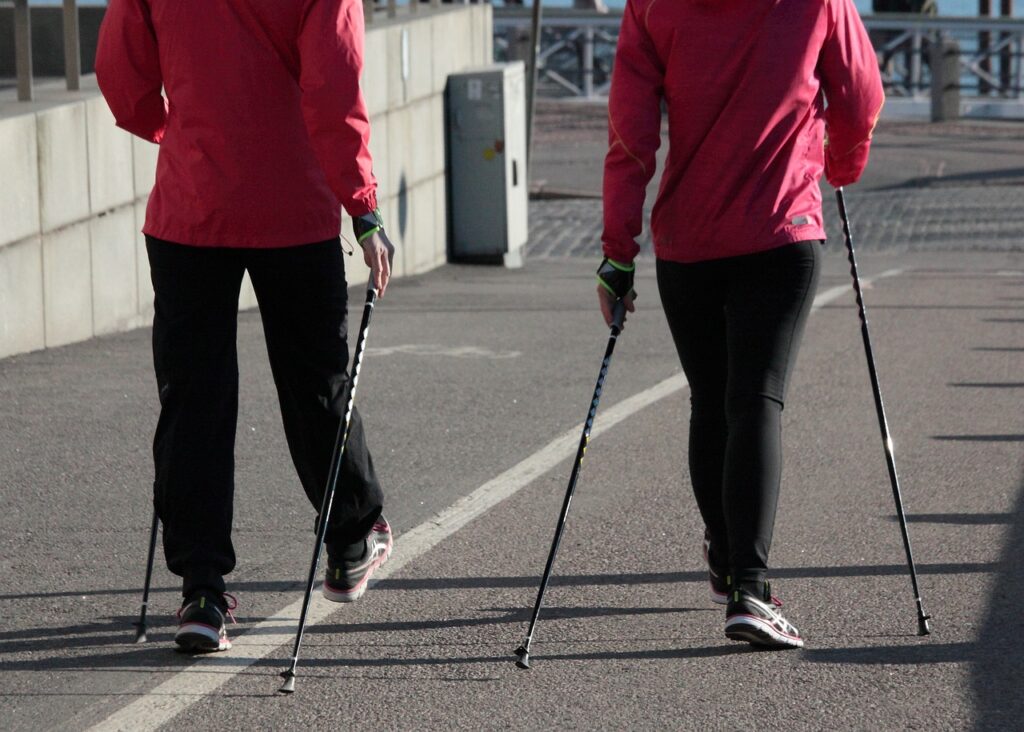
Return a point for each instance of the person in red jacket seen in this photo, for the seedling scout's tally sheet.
(763, 97)
(263, 137)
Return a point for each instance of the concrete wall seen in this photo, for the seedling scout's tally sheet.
(73, 187)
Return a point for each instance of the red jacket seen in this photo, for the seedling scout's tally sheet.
(745, 83)
(263, 130)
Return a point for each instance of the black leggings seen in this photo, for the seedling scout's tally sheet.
(302, 297)
(737, 324)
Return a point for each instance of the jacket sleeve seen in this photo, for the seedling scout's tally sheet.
(330, 46)
(634, 134)
(128, 69)
(853, 91)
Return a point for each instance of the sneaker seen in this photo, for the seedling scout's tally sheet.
(346, 580)
(201, 626)
(759, 621)
(719, 581)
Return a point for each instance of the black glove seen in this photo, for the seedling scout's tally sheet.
(616, 277)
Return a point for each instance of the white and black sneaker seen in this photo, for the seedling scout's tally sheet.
(759, 620)
(347, 579)
(201, 622)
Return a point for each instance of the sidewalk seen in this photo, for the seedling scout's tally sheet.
(475, 383)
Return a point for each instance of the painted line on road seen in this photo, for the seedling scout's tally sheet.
(186, 687)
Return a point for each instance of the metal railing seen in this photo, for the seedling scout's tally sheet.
(23, 48)
(578, 51)
(390, 8)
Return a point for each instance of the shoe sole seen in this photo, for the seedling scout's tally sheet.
(200, 638)
(759, 632)
(359, 590)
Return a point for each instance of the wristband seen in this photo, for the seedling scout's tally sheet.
(367, 225)
(616, 277)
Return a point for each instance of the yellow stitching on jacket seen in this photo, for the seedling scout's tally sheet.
(619, 141)
(647, 15)
(871, 132)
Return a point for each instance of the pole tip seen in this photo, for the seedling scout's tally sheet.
(140, 632)
(288, 687)
(924, 626)
(522, 657)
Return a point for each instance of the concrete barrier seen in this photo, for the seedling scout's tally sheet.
(74, 187)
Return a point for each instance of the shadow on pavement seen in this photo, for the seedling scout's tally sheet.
(569, 580)
(507, 615)
(998, 676)
(538, 655)
(997, 661)
(988, 384)
(922, 653)
(964, 519)
(979, 438)
(1001, 176)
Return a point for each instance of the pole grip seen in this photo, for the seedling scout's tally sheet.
(618, 315)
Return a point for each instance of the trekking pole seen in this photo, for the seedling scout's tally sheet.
(618, 315)
(332, 483)
(923, 626)
(140, 624)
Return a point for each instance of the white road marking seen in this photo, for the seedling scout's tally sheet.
(185, 688)
(430, 349)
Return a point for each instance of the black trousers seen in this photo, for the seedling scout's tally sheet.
(737, 324)
(303, 301)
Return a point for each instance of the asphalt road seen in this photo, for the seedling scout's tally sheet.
(472, 374)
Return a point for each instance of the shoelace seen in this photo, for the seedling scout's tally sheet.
(230, 603)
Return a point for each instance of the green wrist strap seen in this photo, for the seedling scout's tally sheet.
(622, 267)
(367, 233)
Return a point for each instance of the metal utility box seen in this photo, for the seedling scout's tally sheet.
(487, 182)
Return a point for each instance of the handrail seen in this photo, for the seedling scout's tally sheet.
(991, 50)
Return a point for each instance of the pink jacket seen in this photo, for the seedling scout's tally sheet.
(261, 124)
(746, 84)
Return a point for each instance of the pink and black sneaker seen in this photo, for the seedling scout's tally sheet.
(201, 622)
(347, 579)
(759, 620)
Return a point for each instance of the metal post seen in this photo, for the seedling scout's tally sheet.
(368, 6)
(916, 87)
(1006, 54)
(414, 6)
(588, 62)
(392, 8)
(72, 54)
(531, 80)
(984, 43)
(435, 3)
(1020, 63)
(945, 63)
(23, 50)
